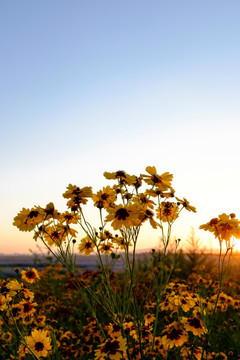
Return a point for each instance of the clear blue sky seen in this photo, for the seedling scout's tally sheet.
(105, 85)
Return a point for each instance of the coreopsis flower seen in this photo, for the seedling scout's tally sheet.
(49, 212)
(114, 349)
(185, 302)
(104, 198)
(27, 219)
(77, 195)
(27, 308)
(30, 275)
(69, 217)
(147, 214)
(122, 216)
(173, 335)
(163, 194)
(168, 212)
(86, 246)
(186, 205)
(121, 176)
(144, 201)
(162, 182)
(39, 343)
(106, 248)
(121, 243)
(192, 352)
(54, 235)
(13, 287)
(223, 227)
(194, 325)
(3, 302)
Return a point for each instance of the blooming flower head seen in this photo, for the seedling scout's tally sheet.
(86, 246)
(30, 275)
(114, 349)
(104, 198)
(168, 212)
(39, 343)
(194, 325)
(122, 216)
(121, 176)
(162, 182)
(54, 235)
(173, 335)
(223, 227)
(27, 219)
(186, 205)
(77, 195)
(106, 248)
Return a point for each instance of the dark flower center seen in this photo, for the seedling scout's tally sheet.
(32, 214)
(110, 347)
(104, 196)
(156, 179)
(27, 308)
(30, 274)
(88, 245)
(39, 346)
(120, 173)
(175, 334)
(121, 214)
(195, 322)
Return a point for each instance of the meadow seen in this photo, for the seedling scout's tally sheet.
(166, 304)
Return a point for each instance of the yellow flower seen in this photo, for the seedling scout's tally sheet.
(173, 335)
(104, 198)
(54, 235)
(69, 217)
(168, 212)
(121, 243)
(122, 216)
(3, 302)
(86, 247)
(186, 205)
(112, 349)
(27, 219)
(223, 227)
(78, 195)
(122, 176)
(194, 325)
(39, 342)
(162, 182)
(106, 248)
(30, 275)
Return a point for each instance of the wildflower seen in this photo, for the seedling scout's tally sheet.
(104, 198)
(173, 335)
(54, 235)
(86, 247)
(122, 216)
(49, 212)
(39, 342)
(28, 308)
(121, 243)
(168, 212)
(30, 275)
(27, 219)
(121, 176)
(194, 325)
(162, 182)
(78, 195)
(186, 205)
(106, 248)
(69, 217)
(223, 227)
(3, 302)
(112, 349)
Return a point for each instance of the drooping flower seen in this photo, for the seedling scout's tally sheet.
(186, 205)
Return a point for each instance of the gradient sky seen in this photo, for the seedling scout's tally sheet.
(94, 86)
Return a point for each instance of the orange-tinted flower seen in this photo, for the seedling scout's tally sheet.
(77, 195)
(162, 182)
(194, 325)
(86, 246)
(69, 217)
(106, 248)
(30, 275)
(54, 235)
(168, 212)
(27, 219)
(114, 349)
(104, 198)
(186, 205)
(122, 216)
(121, 176)
(39, 343)
(173, 335)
